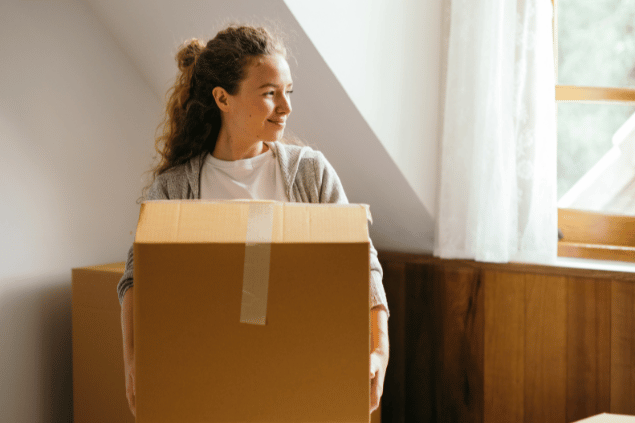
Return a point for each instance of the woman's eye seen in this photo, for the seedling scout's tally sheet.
(274, 93)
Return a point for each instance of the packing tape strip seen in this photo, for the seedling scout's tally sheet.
(253, 309)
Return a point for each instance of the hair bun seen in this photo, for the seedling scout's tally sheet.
(189, 52)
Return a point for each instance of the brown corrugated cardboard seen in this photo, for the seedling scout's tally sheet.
(197, 362)
(99, 392)
(609, 418)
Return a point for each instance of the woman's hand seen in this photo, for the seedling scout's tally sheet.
(379, 355)
(128, 348)
(378, 365)
(129, 368)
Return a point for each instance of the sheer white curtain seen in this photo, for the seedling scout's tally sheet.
(497, 193)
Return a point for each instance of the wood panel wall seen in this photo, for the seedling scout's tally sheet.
(479, 342)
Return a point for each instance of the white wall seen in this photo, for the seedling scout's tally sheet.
(386, 55)
(76, 128)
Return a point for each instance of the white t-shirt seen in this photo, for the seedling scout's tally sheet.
(257, 178)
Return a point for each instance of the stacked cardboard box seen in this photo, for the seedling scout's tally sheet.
(99, 392)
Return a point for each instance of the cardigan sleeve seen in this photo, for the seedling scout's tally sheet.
(157, 191)
(331, 191)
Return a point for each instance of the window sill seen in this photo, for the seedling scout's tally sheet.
(596, 256)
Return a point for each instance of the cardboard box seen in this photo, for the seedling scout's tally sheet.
(609, 418)
(251, 311)
(99, 391)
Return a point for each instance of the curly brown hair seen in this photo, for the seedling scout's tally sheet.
(192, 119)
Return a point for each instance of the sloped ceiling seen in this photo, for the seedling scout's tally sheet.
(149, 32)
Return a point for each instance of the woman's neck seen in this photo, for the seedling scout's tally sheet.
(230, 149)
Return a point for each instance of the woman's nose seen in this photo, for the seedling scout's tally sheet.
(284, 107)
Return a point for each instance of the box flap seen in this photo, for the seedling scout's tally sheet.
(116, 267)
(203, 221)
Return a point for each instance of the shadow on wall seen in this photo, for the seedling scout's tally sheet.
(368, 173)
(36, 350)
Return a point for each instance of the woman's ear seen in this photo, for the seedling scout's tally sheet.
(222, 98)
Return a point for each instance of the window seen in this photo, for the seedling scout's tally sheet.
(594, 46)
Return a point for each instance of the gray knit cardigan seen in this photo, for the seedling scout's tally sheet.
(308, 177)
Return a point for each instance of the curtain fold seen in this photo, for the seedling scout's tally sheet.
(497, 192)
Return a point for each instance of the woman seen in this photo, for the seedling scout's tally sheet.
(222, 140)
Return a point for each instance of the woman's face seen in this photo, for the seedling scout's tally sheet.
(260, 108)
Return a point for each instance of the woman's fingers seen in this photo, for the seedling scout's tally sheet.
(373, 384)
(376, 381)
(374, 395)
(131, 393)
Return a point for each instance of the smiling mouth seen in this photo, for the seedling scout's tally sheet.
(278, 122)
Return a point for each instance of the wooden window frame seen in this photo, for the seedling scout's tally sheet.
(586, 234)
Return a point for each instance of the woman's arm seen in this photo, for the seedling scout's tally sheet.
(126, 279)
(379, 326)
(331, 191)
(125, 291)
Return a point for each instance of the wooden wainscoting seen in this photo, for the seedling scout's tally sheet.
(481, 342)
